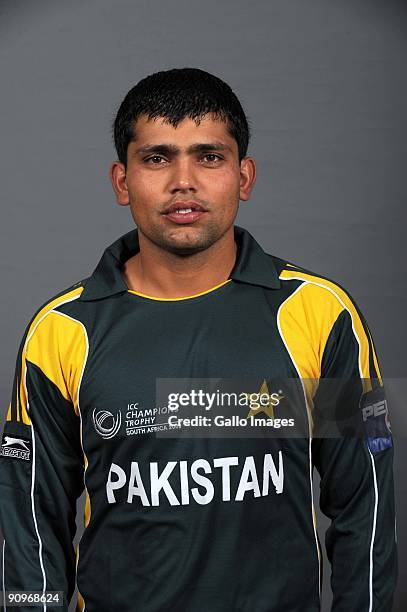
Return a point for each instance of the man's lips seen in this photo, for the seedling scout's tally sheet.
(180, 205)
(187, 217)
(193, 212)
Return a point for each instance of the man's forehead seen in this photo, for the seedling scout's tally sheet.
(207, 127)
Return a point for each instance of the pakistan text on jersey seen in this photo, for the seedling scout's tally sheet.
(250, 482)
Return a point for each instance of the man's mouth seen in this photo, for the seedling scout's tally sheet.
(184, 213)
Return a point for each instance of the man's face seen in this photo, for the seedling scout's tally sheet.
(187, 165)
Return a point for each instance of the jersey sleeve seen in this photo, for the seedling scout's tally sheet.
(41, 461)
(356, 469)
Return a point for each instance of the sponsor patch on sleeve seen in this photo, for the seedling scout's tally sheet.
(375, 416)
(16, 447)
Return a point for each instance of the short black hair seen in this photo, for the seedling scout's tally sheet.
(175, 95)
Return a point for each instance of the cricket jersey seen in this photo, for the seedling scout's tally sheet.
(222, 521)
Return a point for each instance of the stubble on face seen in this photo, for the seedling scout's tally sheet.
(185, 242)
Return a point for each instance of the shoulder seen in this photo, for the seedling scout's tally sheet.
(53, 348)
(315, 287)
(319, 302)
(43, 314)
(324, 310)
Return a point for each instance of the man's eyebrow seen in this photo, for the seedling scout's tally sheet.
(169, 149)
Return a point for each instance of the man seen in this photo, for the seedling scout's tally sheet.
(173, 522)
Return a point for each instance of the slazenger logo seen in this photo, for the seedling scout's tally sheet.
(106, 424)
(17, 448)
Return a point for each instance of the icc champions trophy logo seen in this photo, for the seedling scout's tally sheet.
(106, 424)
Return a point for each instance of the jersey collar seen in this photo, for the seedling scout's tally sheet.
(252, 266)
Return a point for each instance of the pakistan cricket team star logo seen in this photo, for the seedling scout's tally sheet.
(106, 423)
(268, 407)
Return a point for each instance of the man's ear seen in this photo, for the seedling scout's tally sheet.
(117, 175)
(247, 177)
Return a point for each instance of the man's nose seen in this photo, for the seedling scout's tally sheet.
(183, 177)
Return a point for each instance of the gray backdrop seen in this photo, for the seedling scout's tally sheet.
(323, 84)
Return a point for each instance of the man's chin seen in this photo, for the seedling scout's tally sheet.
(183, 241)
(186, 243)
(185, 247)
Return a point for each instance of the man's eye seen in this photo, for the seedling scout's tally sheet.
(218, 157)
(153, 157)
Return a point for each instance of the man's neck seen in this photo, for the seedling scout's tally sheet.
(158, 273)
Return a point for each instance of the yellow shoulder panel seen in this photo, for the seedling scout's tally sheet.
(57, 344)
(321, 302)
(305, 320)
